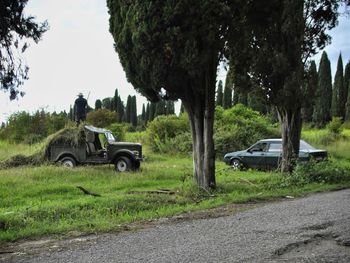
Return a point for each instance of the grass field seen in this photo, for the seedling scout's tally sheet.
(40, 201)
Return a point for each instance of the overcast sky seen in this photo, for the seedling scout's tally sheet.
(76, 55)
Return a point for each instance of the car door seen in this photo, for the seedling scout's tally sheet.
(273, 155)
(254, 157)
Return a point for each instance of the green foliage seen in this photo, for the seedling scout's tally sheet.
(227, 96)
(16, 29)
(164, 128)
(118, 130)
(322, 109)
(101, 118)
(338, 93)
(347, 108)
(239, 127)
(335, 126)
(318, 172)
(310, 92)
(219, 95)
(32, 128)
(98, 104)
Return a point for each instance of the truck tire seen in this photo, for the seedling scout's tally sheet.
(122, 164)
(68, 162)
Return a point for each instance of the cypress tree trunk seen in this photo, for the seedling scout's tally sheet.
(201, 108)
(291, 131)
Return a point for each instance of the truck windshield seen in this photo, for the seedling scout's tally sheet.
(110, 137)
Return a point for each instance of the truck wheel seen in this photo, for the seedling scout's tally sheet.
(122, 164)
(68, 162)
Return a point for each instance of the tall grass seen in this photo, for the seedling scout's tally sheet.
(337, 145)
(10, 149)
(45, 200)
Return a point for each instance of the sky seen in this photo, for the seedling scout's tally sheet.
(77, 55)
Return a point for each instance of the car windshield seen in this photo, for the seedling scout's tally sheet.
(305, 146)
(110, 137)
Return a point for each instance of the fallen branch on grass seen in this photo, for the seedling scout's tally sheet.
(87, 192)
(159, 191)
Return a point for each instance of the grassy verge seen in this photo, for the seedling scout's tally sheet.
(39, 201)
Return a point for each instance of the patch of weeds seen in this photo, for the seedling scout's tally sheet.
(316, 172)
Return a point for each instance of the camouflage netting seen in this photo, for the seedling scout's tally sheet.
(70, 135)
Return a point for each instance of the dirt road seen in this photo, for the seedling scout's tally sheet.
(310, 229)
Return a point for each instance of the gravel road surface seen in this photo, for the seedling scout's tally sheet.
(311, 229)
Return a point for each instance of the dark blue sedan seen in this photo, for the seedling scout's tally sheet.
(266, 154)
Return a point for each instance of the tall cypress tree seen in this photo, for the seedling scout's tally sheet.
(160, 108)
(170, 108)
(115, 100)
(347, 110)
(310, 90)
(243, 99)
(235, 98)
(347, 80)
(143, 113)
(219, 95)
(338, 96)
(147, 112)
(133, 111)
(182, 108)
(128, 110)
(227, 100)
(120, 109)
(152, 111)
(256, 103)
(323, 102)
(98, 104)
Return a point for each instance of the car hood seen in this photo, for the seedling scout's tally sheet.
(232, 154)
(125, 143)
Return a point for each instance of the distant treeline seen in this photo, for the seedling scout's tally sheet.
(325, 99)
(118, 111)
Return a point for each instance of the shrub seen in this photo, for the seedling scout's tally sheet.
(164, 128)
(101, 118)
(239, 127)
(335, 126)
(119, 130)
(317, 172)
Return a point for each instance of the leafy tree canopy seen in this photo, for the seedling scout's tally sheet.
(15, 30)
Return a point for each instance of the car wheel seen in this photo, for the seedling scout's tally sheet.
(123, 164)
(68, 162)
(236, 164)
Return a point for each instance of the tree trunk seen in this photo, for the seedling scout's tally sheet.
(201, 108)
(291, 124)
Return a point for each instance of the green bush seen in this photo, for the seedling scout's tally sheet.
(235, 129)
(239, 127)
(317, 172)
(118, 130)
(165, 128)
(335, 126)
(101, 118)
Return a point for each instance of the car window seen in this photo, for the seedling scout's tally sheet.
(260, 147)
(305, 146)
(275, 147)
